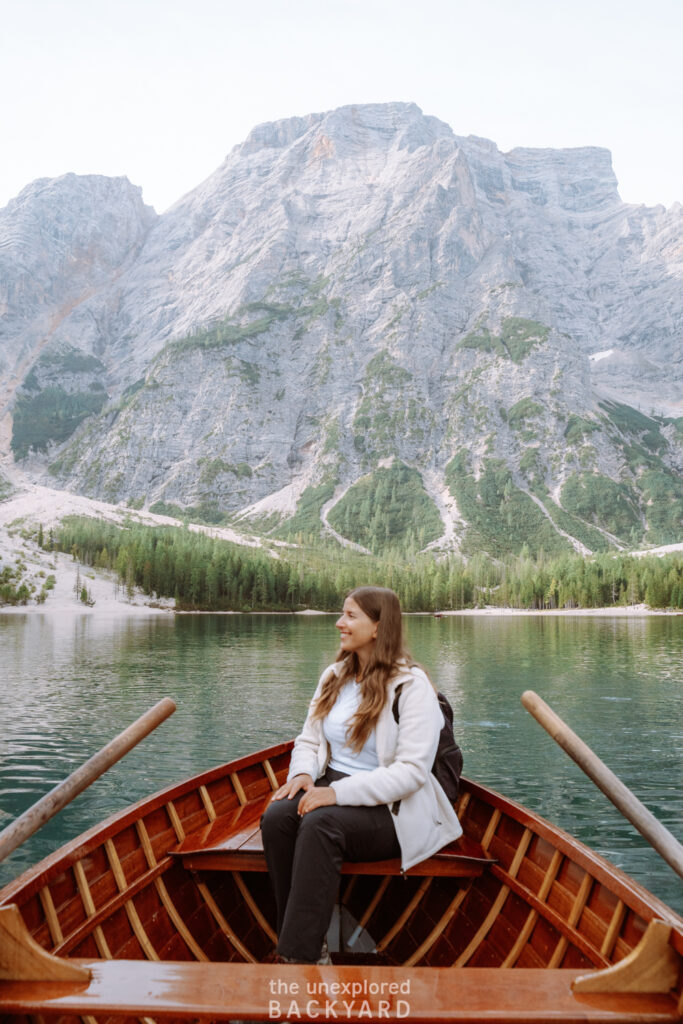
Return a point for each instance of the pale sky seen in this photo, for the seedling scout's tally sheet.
(161, 90)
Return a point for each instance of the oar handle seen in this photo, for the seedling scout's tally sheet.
(614, 789)
(36, 816)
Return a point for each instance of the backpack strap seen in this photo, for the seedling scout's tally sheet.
(394, 706)
(394, 710)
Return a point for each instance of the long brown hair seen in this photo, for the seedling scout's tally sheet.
(382, 606)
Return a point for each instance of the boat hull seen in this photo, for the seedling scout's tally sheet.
(545, 904)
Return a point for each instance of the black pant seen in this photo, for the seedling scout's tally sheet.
(304, 857)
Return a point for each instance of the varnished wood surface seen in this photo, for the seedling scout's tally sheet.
(217, 860)
(250, 992)
(653, 966)
(621, 884)
(234, 843)
(542, 901)
(34, 878)
(624, 887)
(22, 958)
(229, 832)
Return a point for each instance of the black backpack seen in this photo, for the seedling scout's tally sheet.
(447, 766)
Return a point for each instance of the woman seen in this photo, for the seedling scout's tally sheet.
(360, 785)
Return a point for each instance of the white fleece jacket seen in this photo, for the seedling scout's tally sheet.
(425, 820)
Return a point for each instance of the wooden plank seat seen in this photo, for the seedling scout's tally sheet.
(210, 991)
(233, 843)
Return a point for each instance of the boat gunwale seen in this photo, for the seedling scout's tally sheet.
(631, 892)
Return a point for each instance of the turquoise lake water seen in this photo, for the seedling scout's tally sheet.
(242, 682)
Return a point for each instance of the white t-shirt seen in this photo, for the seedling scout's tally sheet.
(342, 758)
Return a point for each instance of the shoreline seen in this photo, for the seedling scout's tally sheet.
(609, 611)
(109, 598)
(619, 611)
(117, 608)
(106, 596)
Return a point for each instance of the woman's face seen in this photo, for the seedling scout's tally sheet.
(357, 631)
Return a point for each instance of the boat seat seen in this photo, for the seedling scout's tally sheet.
(233, 843)
(211, 991)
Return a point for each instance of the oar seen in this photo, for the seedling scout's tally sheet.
(621, 796)
(36, 816)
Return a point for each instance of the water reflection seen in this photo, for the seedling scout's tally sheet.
(244, 682)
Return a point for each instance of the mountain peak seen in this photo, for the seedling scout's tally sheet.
(366, 121)
(357, 307)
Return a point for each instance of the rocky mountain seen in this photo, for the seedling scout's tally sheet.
(360, 323)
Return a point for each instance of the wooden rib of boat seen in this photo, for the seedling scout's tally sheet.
(164, 912)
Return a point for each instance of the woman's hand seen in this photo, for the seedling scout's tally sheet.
(292, 787)
(318, 796)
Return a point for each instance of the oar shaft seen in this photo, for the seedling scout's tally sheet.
(614, 789)
(36, 816)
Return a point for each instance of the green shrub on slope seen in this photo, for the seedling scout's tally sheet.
(598, 499)
(51, 415)
(516, 339)
(388, 508)
(500, 518)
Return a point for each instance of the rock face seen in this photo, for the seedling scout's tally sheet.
(348, 289)
(64, 244)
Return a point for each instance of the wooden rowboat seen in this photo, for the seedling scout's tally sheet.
(165, 912)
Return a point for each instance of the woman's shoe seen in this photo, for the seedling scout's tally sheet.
(325, 957)
(277, 958)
